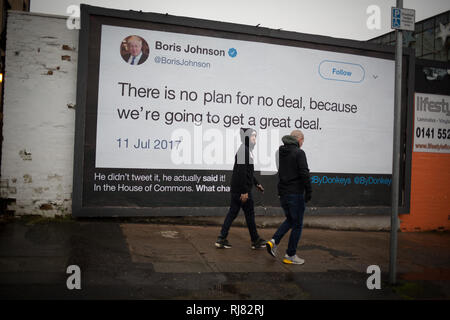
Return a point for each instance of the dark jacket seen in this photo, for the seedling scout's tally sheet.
(243, 178)
(293, 172)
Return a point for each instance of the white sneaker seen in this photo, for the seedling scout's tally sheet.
(293, 260)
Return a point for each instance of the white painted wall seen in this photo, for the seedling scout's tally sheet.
(39, 114)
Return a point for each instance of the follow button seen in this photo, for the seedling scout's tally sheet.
(341, 71)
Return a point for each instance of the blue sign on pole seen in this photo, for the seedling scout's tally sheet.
(403, 19)
(396, 18)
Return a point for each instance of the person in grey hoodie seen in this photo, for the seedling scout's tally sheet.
(294, 189)
(242, 182)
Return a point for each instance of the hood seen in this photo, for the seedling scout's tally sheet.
(287, 140)
(245, 136)
(289, 143)
(246, 133)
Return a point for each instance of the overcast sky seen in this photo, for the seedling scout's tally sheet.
(341, 19)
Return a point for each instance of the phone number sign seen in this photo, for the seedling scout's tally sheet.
(431, 123)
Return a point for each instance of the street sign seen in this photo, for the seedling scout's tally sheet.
(403, 19)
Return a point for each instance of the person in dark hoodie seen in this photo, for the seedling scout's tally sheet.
(294, 189)
(242, 182)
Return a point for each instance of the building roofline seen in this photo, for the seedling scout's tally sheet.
(37, 14)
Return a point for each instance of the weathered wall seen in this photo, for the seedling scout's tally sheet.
(39, 114)
(430, 193)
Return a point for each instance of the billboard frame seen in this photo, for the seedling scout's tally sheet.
(311, 41)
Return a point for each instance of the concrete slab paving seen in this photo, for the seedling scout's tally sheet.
(126, 260)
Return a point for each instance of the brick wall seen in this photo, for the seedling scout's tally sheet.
(39, 114)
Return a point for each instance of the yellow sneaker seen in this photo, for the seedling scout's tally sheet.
(271, 248)
(293, 260)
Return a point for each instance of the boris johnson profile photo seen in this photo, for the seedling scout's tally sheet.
(134, 50)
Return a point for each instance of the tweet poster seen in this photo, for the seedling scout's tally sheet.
(165, 104)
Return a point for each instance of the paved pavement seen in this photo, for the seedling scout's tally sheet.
(126, 260)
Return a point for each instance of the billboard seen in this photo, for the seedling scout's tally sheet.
(162, 100)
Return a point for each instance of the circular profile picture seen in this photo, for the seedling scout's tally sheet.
(134, 50)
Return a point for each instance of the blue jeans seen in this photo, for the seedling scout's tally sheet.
(294, 207)
(249, 212)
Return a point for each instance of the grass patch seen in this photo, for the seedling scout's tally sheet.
(35, 219)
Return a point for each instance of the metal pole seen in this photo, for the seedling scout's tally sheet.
(396, 154)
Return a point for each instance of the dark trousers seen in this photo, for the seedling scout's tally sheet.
(294, 207)
(249, 212)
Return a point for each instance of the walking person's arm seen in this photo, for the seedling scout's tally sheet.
(246, 179)
(243, 181)
(258, 185)
(304, 173)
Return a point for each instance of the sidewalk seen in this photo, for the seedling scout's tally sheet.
(160, 261)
